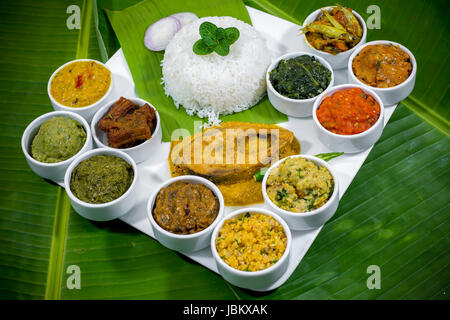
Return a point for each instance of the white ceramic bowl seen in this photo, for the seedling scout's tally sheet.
(52, 171)
(349, 143)
(340, 60)
(255, 280)
(180, 242)
(293, 107)
(305, 220)
(140, 152)
(392, 95)
(109, 210)
(86, 112)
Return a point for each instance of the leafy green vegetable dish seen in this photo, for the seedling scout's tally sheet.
(302, 77)
(101, 179)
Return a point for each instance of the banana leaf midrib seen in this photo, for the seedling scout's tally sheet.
(63, 207)
(56, 260)
(427, 114)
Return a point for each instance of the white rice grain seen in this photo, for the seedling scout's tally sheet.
(212, 85)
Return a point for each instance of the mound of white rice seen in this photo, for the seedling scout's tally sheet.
(212, 85)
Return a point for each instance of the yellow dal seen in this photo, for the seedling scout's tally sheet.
(95, 79)
(251, 242)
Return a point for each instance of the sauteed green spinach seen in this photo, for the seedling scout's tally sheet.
(302, 77)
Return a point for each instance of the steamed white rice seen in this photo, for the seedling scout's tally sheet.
(212, 85)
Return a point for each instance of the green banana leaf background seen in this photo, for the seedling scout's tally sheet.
(395, 214)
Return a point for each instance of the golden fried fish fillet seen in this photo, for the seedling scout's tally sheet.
(230, 154)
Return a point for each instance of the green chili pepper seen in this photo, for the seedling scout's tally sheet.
(329, 156)
(259, 175)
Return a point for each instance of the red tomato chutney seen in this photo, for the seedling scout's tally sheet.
(348, 112)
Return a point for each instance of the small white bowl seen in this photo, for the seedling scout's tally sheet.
(86, 112)
(294, 107)
(189, 242)
(349, 143)
(140, 152)
(255, 280)
(288, 106)
(392, 95)
(52, 171)
(340, 60)
(109, 210)
(305, 220)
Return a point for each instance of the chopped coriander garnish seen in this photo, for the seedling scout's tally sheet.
(282, 194)
(311, 204)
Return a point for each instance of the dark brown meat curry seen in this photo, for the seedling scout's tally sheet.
(185, 208)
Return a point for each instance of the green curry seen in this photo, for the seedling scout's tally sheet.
(101, 179)
(58, 139)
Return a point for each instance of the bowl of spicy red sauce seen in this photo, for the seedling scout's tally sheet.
(348, 118)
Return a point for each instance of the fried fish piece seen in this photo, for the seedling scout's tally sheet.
(230, 154)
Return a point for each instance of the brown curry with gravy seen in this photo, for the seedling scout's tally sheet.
(382, 65)
(185, 208)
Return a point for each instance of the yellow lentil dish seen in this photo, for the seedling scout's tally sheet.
(80, 84)
(251, 242)
(299, 185)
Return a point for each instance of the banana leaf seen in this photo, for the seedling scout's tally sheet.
(395, 214)
(34, 42)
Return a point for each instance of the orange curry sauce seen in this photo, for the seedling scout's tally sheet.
(348, 112)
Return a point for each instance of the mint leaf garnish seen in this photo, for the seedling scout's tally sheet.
(231, 34)
(223, 48)
(207, 29)
(201, 48)
(215, 39)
